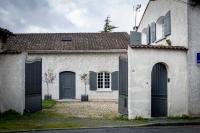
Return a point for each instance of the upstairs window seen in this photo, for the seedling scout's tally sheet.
(103, 80)
(144, 36)
(160, 33)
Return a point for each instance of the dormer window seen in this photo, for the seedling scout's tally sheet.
(67, 39)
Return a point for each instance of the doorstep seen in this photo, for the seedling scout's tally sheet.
(68, 100)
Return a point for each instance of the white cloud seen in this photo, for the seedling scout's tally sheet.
(67, 15)
(35, 29)
(75, 13)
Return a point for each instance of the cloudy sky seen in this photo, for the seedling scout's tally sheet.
(67, 15)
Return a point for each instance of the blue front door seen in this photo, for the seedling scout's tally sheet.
(159, 91)
(67, 85)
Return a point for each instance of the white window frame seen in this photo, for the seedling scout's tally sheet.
(103, 88)
(144, 36)
(160, 32)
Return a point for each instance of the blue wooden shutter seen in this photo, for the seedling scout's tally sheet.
(167, 24)
(123, 75)
(93, 80)
(115, 80)
(148, 35)
(135, 38)
(153, 32)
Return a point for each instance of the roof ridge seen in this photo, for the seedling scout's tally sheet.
(72, 33)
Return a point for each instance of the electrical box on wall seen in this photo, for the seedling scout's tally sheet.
(198, 58)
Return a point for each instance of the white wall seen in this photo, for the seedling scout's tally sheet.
(12, 82)
(79, 63)
(178, 10)
(193, 68)
(141, 62)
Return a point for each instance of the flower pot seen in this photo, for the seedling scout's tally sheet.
(47, 97)
(84, 98)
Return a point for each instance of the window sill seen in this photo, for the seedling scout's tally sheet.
(104, 90)
(161, 39)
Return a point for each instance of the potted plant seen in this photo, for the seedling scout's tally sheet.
(48, 79)
(169, 42)
(84, 78)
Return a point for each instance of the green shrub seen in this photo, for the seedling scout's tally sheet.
(169, 42)
(9, 115)
(48, 103)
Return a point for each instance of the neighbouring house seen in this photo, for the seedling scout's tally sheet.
(163, 75)
(70, 55)
(12, 73)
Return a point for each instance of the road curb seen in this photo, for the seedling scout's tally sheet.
(172, 124)
(156, 124)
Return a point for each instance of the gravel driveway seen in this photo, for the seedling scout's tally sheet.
(87, 109)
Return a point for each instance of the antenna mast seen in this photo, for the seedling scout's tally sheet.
(135, 10)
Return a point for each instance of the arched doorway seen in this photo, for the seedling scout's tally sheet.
(67, 85)
(159, 91)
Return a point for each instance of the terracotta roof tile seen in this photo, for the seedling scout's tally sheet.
(158, 47)
(80, 41)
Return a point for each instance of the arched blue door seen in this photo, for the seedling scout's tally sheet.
(67, 85)
(159, 91)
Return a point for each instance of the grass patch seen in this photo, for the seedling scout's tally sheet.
(11, 120)
(48, 103)
(62, 125)
(121, 118)
(140, 120)
(49, 119)
(183, 117)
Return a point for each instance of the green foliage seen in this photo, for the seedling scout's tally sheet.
(38, 120)
(139, 118)
(48, 103)
(121, 118)
(9, 115)
(183, 117)
(61, 124)
(107, 26)
(169, 42)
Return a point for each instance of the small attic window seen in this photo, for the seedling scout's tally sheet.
(67, 39)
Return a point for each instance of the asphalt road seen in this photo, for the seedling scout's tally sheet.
(178, 129)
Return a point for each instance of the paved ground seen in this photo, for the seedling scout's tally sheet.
(87, 109)
(183, 129)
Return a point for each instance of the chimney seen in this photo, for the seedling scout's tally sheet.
(135, 38)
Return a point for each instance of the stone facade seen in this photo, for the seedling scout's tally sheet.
(141, 62)
(79, 63)
(12, 82)
(183, 72)
(193, 68)
(159, 8)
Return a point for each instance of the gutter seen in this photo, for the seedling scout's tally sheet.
(75, 51)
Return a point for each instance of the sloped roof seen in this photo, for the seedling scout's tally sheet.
(79, 41)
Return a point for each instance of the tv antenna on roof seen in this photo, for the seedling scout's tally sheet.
(136, 8)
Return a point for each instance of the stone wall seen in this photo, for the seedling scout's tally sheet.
(12, 82)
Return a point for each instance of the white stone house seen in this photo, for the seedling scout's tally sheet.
(12, 72)
(70, 55)
(163, 76)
